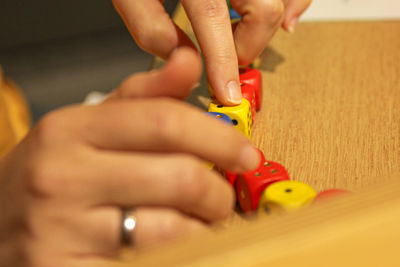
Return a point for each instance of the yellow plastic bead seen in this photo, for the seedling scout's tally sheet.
(240, 115)
(287, 196)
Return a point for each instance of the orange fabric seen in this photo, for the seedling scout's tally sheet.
(15, 117)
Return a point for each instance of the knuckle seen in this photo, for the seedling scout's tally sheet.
(46, 179)
(168, 125)
(224, 58)
(172, 225)
(213, 9)
(128, 86)
(149, 38)
(271, 11)
(192, 185)
(50, 128)
(144, 40)
(40, 181)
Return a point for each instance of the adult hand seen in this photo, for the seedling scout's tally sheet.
(63, 188)
(155, 32)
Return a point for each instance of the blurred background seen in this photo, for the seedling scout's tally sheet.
(59, 51)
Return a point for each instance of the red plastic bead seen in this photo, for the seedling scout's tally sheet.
(252, 77)
(329, 194)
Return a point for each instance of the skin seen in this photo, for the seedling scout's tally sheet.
(63, 187)
(223, 49)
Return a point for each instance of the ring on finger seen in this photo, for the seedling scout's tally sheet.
(128, 226)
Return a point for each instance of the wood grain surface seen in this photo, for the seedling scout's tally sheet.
(331, 106)
(331, 111)
(357, 230)
(331, 115)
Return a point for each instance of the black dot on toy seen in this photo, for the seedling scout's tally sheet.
(235, 122)
(288, 190)
(266, 210)
(220, 106)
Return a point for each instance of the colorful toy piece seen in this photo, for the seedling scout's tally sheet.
(329, 194)
(221, 116)
(250, 185)
(252, 77)
(235, 17)
(286, 196)
(240, 114)
(231, 177)
(249, 94)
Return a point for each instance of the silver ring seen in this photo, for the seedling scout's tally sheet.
(128, 226)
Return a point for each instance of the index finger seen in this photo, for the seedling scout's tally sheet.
(167, 125)
(212, 26)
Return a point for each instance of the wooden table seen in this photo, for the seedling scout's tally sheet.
(331, 115)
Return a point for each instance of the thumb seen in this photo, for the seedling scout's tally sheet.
(176, 79)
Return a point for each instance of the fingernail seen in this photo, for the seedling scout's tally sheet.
(234, 94)
(292, 24)
(250, 158)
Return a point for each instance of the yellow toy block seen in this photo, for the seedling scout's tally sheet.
(286, 196)
(236, 20)
(240, 115)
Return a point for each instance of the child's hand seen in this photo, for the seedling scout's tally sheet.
(62, 190)
(156, 33)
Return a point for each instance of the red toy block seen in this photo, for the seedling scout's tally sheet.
(248, 93)
(250, 185)
(252, 77)
(231, 177)
(329, 194)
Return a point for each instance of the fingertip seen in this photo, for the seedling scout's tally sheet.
(294, 9)
(289, 24)
(186, 57)
(185, 65)
(249, 158)
(234, 93)
(230, 95)
(181, 73)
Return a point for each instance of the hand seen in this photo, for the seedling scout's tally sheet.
(156, 33)
(63, 187)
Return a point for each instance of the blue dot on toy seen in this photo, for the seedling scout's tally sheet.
(234, 15)
(221, 116)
